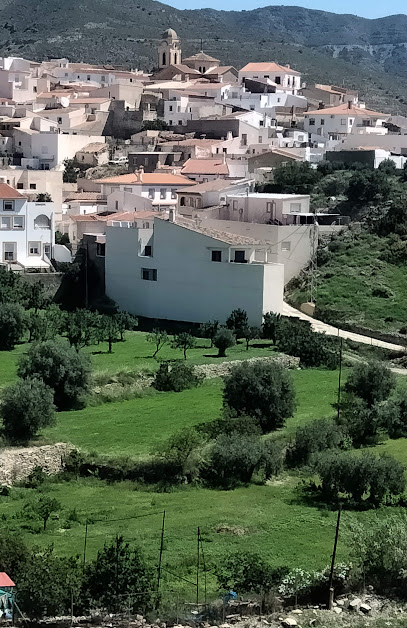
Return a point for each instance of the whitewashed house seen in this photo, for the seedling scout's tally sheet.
(284, 77)
(26, 231)
(181, 271)
(158, 187)
(335, 123)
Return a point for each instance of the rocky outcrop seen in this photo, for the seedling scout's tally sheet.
(17, 463)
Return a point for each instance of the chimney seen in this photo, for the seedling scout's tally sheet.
(172, 215)
(349, 104)
(224, 158)
(141, 174)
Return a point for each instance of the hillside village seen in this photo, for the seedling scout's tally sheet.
(203, 343)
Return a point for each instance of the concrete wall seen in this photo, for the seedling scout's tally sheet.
(189, 287)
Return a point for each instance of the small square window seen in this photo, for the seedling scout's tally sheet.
(163, 193)
(149, 274)
(8, 206)
(286, 246)
(20, 186)
(240, 257)
(147, 251)
(34, 248)
(59, 120)
(216, 256)
(5, 222)
(18, 222)
(33, 186)
(312, 121)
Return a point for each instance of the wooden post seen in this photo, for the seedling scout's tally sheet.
(340, 379)
(331, 575)
(161, 554)
(197, 569)
(85, 544)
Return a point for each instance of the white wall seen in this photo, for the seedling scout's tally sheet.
(189, 287)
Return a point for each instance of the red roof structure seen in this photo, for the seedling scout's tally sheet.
(5, 581)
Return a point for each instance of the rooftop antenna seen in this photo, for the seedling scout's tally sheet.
(201, 44)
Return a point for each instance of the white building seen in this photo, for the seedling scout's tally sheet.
(282, 76)
(26, 231)
(20, 79)
(283, 209)
(159, 188)
(335, 123)
(263, 102)
(180, 271)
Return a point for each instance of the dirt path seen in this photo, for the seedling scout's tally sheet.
(324, 328)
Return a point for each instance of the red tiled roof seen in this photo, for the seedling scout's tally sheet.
(5, 581)
(205, 166)
(149, 178)
(268, 67)
(345, 110)
(7, 192)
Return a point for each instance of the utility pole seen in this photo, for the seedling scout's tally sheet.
(340, 378)
(161, 553)
(331, 575)
(204, 568)
(84, 544)
(314, 262)
(197, 568)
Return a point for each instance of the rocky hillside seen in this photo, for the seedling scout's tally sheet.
(366, 54)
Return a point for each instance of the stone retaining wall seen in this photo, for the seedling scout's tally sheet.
(16, 464)
(222, 369)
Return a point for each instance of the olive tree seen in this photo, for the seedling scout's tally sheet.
(27, 406)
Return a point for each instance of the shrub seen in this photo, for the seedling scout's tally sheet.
(182, 451)
(184, 341)
(238, 322)
(270, 326)
(61, 368)
(227, 424)
(248, 572)
(12, 325)
(251, 333)
(318, 435)
(362, 423)
(233, 459)
(223, 340)
(371, 381)
(366, 477)
(118, 567)
(295, 337)
(262, 391)
(393, 415)
(176, 377)
(27, 406)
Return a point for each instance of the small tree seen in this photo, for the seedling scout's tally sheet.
(45, 507)
(184, 341)
(262, 391)
(81, 328)
(319, 435)
(234, 458)
(223, 340)
(125, 322)
(248, 572)
(271, 321)
(238, 322)
(27, 406)
(209, 330)
(371, 381)
(36, 296)
(70, 174)
(176, 377)
(116, 572)
(12, 325)
(43, 197)
(109, 330)
(60, 367)
(251, 333)
(159, 338)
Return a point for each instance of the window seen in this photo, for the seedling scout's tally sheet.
(240, 257)
(179, 122)
(34, 248)
(163, 193)
(146, 225)
(47, 250)
(116, 204)
(278, 80)
(260, 139)
(18, 222)
(322, 121)
(59, 120)
(170, 108)
(100, 249)
(88, 77)
(8, 206)
(234, 205)
(170, 122)
(312, 121)
(149, 274)
(151, 193)
(216, 256)
(244, 139)
(286, 246)
(20, 186)
(295, 208)
(103, 78)
(147, 251)
(10, 251)
(128, 189)
(173, 194)
(350, 120)
(266, 76)
(5, 222)
(33, 186)
(343, 122)
(269, 207)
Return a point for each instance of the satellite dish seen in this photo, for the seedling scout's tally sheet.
(64, 101)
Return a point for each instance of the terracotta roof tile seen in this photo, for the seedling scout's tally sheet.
(149, 178)
(205, 166)
(268, 67)
(7, 192)
(232, 239)
(348, 111)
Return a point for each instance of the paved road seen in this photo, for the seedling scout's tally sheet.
(323, 328)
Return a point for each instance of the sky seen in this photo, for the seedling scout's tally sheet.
(364, 8)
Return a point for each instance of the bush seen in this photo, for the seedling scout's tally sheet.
(233, 459)
(248, 572)
(295, 337)
(317, 436)
(393, 415)
(371, 381)
(118, 568)
(61, 368)
(270, 325)
(373, 479)
(237, 322)
(12, 325)
(27, 406)
(361, 423)
(262, 391)
(176, 377)
(227, 424)
(223, 340)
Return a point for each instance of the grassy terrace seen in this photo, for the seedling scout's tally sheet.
(271, 518)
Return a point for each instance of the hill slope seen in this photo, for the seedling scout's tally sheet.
(323, 46)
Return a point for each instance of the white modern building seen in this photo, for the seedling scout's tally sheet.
(284, 77)
(26, 231)
(181, 271)
(335, 123)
